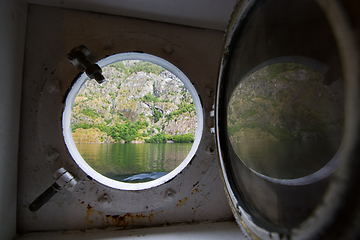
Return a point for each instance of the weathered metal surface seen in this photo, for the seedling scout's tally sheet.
(200, 231)
(196, 194)
(79, 56)
(63, 180)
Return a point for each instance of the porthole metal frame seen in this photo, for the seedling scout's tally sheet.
(66, 123)
(327, 221)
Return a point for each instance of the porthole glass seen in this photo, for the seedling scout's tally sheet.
(280, 113)
(285, 122)
(141, 126)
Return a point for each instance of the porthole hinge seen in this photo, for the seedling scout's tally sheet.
(212, 119)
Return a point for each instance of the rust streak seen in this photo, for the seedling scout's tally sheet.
(89, 211)
(181, 202)
(195, 190)
(126, 219)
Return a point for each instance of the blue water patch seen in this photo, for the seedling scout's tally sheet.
(137, 178)
(142, 176)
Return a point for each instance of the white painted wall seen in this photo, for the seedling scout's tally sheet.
(201, 231)
(214, 14)
(195, 195)
(12, 31)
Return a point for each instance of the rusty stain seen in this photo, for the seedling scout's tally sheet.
(89, 211)
(127, 219)
(122, 221)
(195, 190)
(181, 202)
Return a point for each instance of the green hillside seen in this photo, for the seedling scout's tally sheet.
(285, 102)
(139, 102)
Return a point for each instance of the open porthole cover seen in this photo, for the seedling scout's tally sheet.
(66, 119)
(326, 203)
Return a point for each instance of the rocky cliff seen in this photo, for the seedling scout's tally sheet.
(285, 102)
(138, 101)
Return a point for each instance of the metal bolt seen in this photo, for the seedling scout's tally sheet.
(81, 56)
(63, 180)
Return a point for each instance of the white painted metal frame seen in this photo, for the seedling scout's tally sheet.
(195, 194)
(111, 182)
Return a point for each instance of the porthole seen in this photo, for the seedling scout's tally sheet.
(282, 97)
(146, 99)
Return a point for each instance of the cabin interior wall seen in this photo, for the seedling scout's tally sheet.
(12, 31)
(51, 34)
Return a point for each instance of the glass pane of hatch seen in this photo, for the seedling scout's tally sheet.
(284, 121)
(280, 111)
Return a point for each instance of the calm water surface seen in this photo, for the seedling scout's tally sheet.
(287, 159)
(148, 161)
(134, 162)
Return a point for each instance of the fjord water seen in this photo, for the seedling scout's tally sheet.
(130, 162)
(285, 122)
(287, 159)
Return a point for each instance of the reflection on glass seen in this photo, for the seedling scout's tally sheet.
(284, 122)
(140, 103)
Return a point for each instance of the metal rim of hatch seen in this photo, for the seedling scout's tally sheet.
(66, 117)
(338, 214)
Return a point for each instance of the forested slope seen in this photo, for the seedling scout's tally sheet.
(139, 102)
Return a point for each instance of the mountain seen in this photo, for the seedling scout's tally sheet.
(285, 101)
(139, 102)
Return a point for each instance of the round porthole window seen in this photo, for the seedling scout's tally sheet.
(138, 129)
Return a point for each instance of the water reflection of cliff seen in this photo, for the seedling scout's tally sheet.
(285, 102)
(291, 120)
(122, 161)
